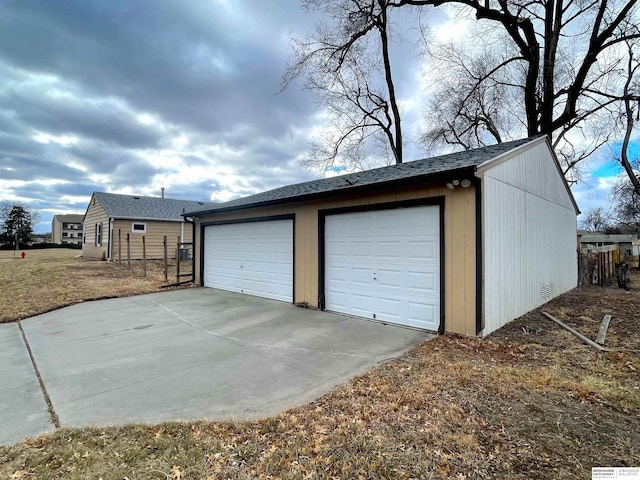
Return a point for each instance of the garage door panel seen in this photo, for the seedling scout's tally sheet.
(390, 309)
(362, 223)
(361, 304)
(422, 283)
(339, 299)
(362, 249)
(338, 274)
(389, 250)
(419, 313)
(337, 248)
(254, 258)
(389, 279)
(361, 276)
(422, 250)
(387, 265)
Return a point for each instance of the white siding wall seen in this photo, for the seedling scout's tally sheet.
(529, 226)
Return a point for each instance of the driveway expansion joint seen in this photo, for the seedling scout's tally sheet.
(54, 416)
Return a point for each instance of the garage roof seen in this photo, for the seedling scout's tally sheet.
(146, 208)
(410, 170)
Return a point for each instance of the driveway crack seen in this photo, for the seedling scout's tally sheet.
(54, 416)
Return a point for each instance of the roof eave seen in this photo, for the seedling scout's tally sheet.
(431, 178)
(147, 219)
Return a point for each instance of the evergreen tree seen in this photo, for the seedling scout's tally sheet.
(18, 225)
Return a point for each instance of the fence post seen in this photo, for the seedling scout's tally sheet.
(144, 256)
(119, 247)
(178, 261)
(166, 266)
(128, 252)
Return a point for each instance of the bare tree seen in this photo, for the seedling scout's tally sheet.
(346, 62)
(549, 67)
(626, 206)
(596, 220)
(471, 106)
(561, 58)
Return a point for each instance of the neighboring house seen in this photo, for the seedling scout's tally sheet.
(67, 229)
(462, 243)
(624, 241)
(112, 218)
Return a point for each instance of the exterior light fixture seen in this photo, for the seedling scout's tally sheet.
(450, 186)
(466, 183)
(456, 182)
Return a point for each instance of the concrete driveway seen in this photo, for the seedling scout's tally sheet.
(180, 355)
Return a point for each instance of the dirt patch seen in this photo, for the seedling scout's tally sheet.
(529, 402)
(50, 279)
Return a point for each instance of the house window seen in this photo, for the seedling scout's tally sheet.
(137, 227)
(64, 234)
(98, 234)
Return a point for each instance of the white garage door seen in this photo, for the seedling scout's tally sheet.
(385, 264)
(254, 258)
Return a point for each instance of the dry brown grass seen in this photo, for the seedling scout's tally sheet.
(53, 278)
(530, 402)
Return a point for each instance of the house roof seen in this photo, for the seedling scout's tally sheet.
(427, 167)
(69, 218)
(613, 238)
(146, 208)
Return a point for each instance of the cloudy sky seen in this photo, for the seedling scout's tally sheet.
(130, 96)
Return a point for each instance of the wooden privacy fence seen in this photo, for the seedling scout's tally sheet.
(602, 264)
(174, 253)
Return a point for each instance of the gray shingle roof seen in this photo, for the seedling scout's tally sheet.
(612, 238)
(147, 208)
(418, 168)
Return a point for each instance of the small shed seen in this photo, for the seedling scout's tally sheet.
(111, 218)
(460, 243)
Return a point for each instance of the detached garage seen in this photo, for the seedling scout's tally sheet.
(461, 243)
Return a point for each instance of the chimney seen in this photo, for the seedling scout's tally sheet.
(162, 190)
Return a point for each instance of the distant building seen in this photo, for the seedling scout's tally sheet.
(624, 241)
(41, 238)
(67, 229)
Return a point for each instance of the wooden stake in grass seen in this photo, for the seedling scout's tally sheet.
(166, 266)
(178, 261)
(144, 257)
(128, 252)
(603, 329)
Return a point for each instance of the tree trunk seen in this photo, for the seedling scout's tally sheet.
(624, 158)
(396, 144)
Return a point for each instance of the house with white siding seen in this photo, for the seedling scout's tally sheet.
(460, 243)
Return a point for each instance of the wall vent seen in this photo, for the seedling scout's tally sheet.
(547, 293)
